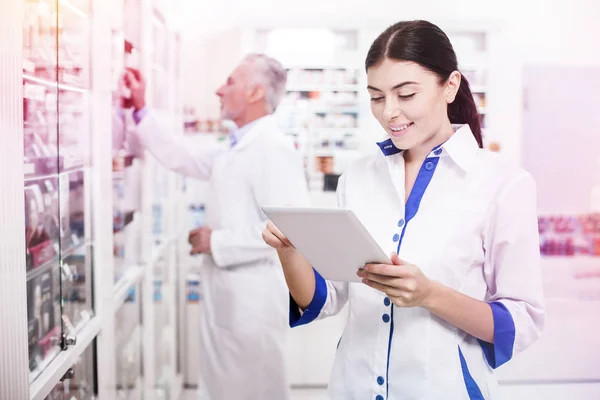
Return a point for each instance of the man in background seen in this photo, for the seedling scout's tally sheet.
(244, 320)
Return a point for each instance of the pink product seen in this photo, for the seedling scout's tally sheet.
(42, 227)
(570, 235)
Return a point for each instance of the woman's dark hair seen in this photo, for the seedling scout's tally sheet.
(426, 44)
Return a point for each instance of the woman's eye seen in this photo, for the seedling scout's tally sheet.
(406, 97)
(376, 99)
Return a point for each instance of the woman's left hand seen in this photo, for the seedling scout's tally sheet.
(404, 283)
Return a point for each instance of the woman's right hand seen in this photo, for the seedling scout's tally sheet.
(274, 238)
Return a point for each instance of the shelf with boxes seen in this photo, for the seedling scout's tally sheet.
(570, 235)
(80, 249)
(128, 345)
(321, 113)
(71, 372)
(57, 184)
(570, 248)
(477, 76)
(79, 380)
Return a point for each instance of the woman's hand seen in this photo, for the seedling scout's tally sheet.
(404, 283)
(274, 238)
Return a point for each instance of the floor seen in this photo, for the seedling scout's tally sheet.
(297, 394)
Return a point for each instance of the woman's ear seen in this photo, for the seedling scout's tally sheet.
(452, 86)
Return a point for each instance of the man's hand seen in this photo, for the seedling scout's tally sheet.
(137, 85)
(199, 238)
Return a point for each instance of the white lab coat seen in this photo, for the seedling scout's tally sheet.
(244, 319)
(470, 223)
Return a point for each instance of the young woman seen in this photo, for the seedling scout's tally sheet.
(463, 293)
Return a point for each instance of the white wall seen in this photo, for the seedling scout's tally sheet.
(539, 32)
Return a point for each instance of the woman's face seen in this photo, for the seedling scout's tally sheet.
(409, 101)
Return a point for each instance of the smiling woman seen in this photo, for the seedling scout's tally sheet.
(417, 58)
(462, 293)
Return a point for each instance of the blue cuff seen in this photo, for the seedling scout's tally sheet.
(501, 350)
(139, 115)
(314, 308)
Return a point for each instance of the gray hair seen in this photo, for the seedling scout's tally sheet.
(271, 75)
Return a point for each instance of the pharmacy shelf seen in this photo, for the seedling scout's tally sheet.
(54, 261)
(158, 250)
(572, 263)
(334, 110)
(64, 360)
(83, 98)
(323, 88)
(77, 11)
(65, 171)
(349, 129)
(320, 109)
(41, 367)
(335, 152)
(53, 84)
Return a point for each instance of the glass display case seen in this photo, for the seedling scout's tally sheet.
(79, 381)
(126, 169)
(160, 191)
(126, 197)
(57, 254)
(162, 324)
(56, 109)
(43, 314)
(77, 287)
(128, 349)
(159, 63)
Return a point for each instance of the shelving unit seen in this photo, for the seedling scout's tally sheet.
(80, 197)
(321, 113)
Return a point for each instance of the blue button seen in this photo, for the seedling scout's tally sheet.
(386, 318)
(396, 237)
(380, 380)
(379, 397)
(401, 223)
(387, 301)
(429, 166)
(438, 152)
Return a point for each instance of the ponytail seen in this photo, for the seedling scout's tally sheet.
(464, 110)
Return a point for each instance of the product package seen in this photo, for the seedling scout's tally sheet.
(72, 204)
(43, 295)
(569, 235)
(76, 288)
(41, 228)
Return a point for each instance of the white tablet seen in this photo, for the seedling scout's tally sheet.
(333, 241)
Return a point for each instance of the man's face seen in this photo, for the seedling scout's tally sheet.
(235, 93)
